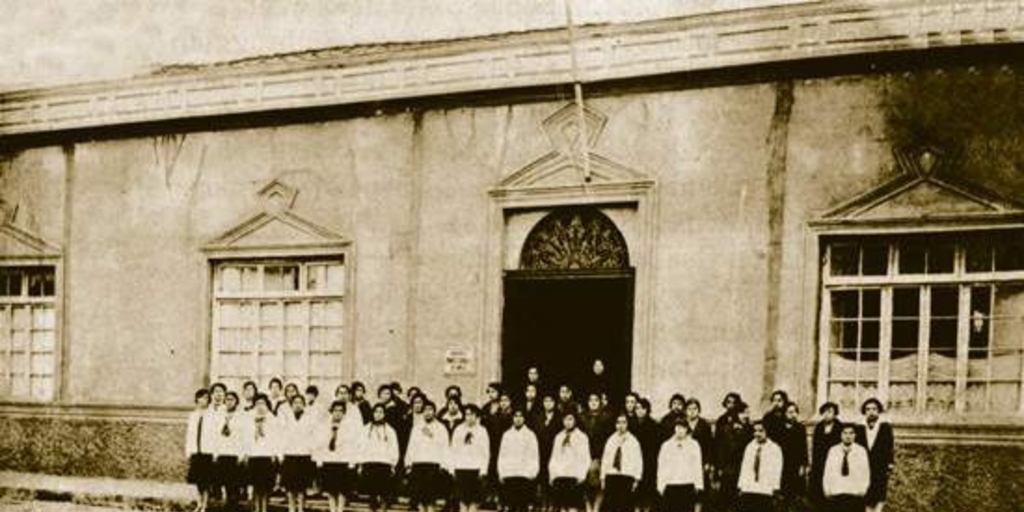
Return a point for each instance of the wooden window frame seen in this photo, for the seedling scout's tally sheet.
(54, 301)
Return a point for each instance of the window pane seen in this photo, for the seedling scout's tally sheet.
(22, 318)
(294, 363)
(40, 281)
(902, 396)
(940, 257)
(844, 259)
(903, 365)
(941, 397)
(230, 279)
(43, 341)
(316, 277)
(336, 278)
(944, 308)
(875, 259)
(281, 278)
(1005, 397)
(912, 257)
(44, 317)
(981, 297)
(979, 255)
(1009, 251)
(871, 303)
(844, 394)
(977, 398)
(869, 340)
(941, 367)
(10, 281)
(845, 304)
(844, 336)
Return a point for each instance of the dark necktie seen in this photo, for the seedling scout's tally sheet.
(617, 460)
(565, 442)
(469, 437)
(846, 463)
(757, 463)
(334, 438)
(259, 428)
(226, 430)
(199, 435)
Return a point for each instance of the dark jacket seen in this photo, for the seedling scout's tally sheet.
(546, 429)
(821, 443)
(880, 456)
(702, 434)
(598, 426)
(793, 441)
(731, 438)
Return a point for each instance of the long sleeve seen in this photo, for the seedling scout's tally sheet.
(762, 476)
(572, 459)
(192, 433)
(680, 465)
(379, 445)
(428, 443)
(858, 476)
(519, 455)
(470, 449)
(632, 463)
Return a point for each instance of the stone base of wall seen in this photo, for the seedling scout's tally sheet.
(928, 477)
(93, 447)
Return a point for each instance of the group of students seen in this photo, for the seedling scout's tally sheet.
(542, 451)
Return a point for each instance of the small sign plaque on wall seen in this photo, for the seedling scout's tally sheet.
(458, 361)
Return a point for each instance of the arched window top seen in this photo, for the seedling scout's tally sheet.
(574, 238)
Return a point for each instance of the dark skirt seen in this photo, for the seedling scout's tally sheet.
(467, 486)
(425, 483)
(262, 473)
(517, 493)
(566, 493)
(760, 503)
(200, 469)
(878, 489)
(297, 472)
(229, 472)
(337, 478)
(845, 503)
(679, 498)
(618, 493)
(376, 479)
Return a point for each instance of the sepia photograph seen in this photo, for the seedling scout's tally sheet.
(512, 256)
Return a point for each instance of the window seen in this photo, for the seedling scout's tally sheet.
(934, 324)
(278, 319)
(28, 323)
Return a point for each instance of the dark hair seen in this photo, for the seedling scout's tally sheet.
(633, 394)
(428, 403)
(677, 397)
(414, 390)
(471, 408)
(450, 389)
(292, 385)
(568, 414)
(342, 385)
(518, 411)
(357, 384)
(231, 394)
(734, 395)
(380, 406)
(872, 400)
(273, 380)
(783, 394)
(201, 393)
(313, 390)
(829, 405)
(531, 385)
(757, 422)
(250, 383)
(396, 386)
(545, 396)
(220, 385)
(741, 406)
(791, 404)
(298, 396)
(382, 388)
(851, 426)
(693, 401)
(645, 403)
(336, 404)
(495, 386)
(682, 422)
(260, 397)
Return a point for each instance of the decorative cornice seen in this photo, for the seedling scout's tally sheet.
(536, 58)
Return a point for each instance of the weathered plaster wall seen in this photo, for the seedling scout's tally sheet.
(33, 180)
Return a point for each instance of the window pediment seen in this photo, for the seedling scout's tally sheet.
(920, 193)
(16, 242)
(275, 228)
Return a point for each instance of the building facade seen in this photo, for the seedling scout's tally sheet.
(796, 197)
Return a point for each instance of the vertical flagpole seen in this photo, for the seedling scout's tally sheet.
(578, 92)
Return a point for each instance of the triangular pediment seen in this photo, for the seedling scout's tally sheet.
(917, 195)
(558, 170)
(275, 227)
(18, 243)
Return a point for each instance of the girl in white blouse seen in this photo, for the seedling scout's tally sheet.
(198, 449)
(622, 466)
(680, 470)
(262, 449)
(428, 449)
(229, 449)
(518, 464)
(378, 456)
(568, 465)
(468, 458)
(335, 452)
(297, 469)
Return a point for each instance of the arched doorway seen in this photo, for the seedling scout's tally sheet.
(570, 302)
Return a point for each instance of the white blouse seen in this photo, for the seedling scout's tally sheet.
(379, 444)
(518, 455)
(632, 463)
(470, 448)
(428, 443)
(570, 456)
(679, 463)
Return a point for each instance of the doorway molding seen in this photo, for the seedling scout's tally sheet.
(557, 179)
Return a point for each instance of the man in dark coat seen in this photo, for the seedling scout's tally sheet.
(732, 435)
(877, 437)
(793, 441)
(827, 433)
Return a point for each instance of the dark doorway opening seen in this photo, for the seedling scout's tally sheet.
(561, 322)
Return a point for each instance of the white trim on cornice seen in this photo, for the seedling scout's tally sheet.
(537, 58)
